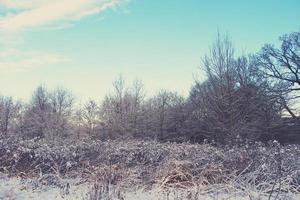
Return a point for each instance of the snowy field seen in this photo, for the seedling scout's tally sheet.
(20, 189)
(147, 170)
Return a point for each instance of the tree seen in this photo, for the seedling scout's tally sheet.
(113, 109)
(166, 114)
(9, 111)
(36, 116)
(161, 102)
(78, 122)
(91, 116)
(136, 97)
(48, 113)
(281, 67)
(122, 110)
(233, 102)
(61, 103)
(217, 93)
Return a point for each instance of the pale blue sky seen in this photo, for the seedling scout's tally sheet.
(84, 45)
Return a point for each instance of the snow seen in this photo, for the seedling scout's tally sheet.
(20, 189)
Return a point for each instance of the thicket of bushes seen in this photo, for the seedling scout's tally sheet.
(267, 168)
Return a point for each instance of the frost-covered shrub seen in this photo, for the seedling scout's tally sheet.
(131, 163)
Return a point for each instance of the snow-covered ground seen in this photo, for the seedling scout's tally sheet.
(20, 189)
(23, 189)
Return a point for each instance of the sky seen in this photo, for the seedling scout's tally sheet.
(84, 45)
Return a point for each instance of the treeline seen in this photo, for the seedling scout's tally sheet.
(253, 97)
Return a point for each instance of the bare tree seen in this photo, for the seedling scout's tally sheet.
(48, 114)
(9, 111)
(35, 120)
(136, 97)
(220, 88)
(166, 114)
(61, 102)
(78, 122)
(281, 67)
(233, 102)
(122, 111)
(113, 109)
(91, 116)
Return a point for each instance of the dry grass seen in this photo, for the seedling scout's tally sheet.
(255, 170)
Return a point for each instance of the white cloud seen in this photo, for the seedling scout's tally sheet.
(23, 4)
(36, 13)
(14, 60)
(22, 15)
